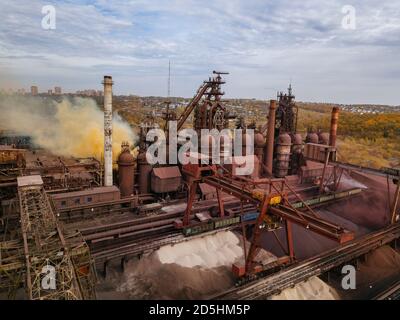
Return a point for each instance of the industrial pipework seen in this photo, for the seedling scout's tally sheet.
(269, 151)
(108, 177)
(334, 125)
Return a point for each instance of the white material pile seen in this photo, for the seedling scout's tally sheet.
(196, 269)
(221, 249)
(313, 289)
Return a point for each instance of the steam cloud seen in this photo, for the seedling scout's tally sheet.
(72, 127)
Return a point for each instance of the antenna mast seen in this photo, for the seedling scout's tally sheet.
(169, 78)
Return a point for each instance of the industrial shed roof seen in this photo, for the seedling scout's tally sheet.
(24, 181)
(167, 172)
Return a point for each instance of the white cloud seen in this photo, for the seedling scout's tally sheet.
(263, 44)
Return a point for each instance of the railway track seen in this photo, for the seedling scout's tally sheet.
(392, 293)
(136, 246)
(265, 287)
(118, 239)
(147, 244)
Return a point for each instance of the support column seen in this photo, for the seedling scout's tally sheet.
(191, 196)
(254, 247)
(220, 203)
(333, 131)
(269, 150)
(289, 238)
(396, 202)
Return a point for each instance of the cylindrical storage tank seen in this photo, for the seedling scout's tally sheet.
(323, 138)
(126, 168)
(144, 173)
(283, 155)
(312, 138)
(259, 145)
(297, 141)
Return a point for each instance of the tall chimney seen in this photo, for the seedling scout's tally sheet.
(269, 151)
(108, 177)
(334, 125)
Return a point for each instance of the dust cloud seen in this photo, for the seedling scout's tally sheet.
(72, 127)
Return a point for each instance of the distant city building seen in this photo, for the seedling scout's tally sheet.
(49, 92)
(34, 90)
(57, 90)
(21, 91)
(90, 93)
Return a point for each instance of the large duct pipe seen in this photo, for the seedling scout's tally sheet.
(334, 125)
(269, 151)
(108, 177)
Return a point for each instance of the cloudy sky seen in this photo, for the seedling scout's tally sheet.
(263, 44)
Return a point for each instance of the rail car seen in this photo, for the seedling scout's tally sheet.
(251, 215)
(327, 198)
(210, 225)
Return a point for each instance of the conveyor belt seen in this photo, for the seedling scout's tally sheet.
(392, 173)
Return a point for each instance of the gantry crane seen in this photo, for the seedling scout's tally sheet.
(270, 197)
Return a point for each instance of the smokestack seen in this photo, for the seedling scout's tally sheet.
(334, 125)
(269, 152)
(108, 178)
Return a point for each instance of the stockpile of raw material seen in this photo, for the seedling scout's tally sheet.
(190, 270)
(312, 289)
(371, 208)
(196, 269)
(213, 251)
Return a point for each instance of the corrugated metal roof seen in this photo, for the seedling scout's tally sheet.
(24, 181)
(167, 172)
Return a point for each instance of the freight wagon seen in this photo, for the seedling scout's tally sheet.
(210, 225)
(326, 198)
(252, 215)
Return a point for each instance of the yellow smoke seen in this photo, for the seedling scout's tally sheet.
(72, 127)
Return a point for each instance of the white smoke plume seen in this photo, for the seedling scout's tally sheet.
(72, 127)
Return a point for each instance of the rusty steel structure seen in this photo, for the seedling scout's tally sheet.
(286, 113)
(270, 197)
(269, 151)
(50, 203)
(315, 266)
(209, 112)
(52, 265)
(126, 165)
(58, 173)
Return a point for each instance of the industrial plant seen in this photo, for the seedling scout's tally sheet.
(120, 226)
